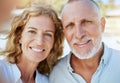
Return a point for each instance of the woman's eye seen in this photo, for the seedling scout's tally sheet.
(31, 31)
(88, 21)
(48, 34)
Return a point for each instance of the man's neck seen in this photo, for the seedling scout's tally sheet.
(86, 67)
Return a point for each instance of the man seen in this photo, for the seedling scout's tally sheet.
(90, 60)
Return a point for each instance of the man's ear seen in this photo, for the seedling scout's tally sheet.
(103, 22)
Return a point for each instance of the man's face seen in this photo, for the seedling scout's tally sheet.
(83, 27)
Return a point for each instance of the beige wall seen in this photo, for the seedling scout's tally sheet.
(113, 25)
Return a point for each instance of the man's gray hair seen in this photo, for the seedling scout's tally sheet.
(94, 2)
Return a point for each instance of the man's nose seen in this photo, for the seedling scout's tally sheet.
(79, 31)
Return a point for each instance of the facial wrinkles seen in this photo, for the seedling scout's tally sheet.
(73, 7)
(81, 40)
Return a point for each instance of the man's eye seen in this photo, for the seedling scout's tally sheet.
(70, 25)
(87, 21)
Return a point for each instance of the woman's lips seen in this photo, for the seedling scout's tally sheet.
(37, 49)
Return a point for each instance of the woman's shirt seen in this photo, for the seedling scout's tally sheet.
(9, 73)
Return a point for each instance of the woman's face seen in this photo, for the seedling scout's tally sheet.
(37, 38)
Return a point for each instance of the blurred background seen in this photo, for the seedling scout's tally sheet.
(110, 10)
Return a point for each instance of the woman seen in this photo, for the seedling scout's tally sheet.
(34, 45)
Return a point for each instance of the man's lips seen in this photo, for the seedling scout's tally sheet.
(81, 44)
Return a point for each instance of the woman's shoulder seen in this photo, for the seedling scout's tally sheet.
(4, 65)
(3, 62)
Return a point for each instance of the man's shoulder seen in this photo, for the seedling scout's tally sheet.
(112, 51)
(62, 61)
(115, 52)
(114, 55)
(60, 72)
(61, 65)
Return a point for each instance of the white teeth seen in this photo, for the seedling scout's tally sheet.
(37, 50)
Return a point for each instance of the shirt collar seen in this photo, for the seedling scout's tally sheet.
(68, 62)
(106, 55)
(37, 78)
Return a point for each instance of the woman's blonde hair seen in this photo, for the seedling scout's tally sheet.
(13, 48)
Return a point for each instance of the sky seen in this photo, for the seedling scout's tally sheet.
(117, 2)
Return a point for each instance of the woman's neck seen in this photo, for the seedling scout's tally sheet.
(27, 70)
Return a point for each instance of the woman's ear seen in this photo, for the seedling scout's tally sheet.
(19, 40)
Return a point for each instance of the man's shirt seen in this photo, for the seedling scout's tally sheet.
(108, 70)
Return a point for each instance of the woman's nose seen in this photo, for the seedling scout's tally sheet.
(39, 39)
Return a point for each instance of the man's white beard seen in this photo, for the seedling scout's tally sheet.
(92, 53)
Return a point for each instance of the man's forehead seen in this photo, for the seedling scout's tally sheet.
(79, 6)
